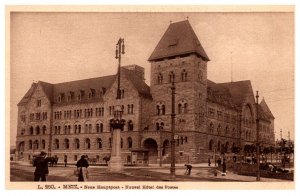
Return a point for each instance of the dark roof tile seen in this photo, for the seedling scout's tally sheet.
(179, 39)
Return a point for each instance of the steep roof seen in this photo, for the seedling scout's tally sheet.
(231, 93)
(262, 115)
(138, 83)
(52, 91)
(28, 94)
(179, 39)
(266, 109)
(239, 90)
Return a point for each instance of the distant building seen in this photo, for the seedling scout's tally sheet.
(72, 118)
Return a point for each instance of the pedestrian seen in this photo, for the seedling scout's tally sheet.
(41, 167)
(188, 169)
(66, 161)
(209, 161)
(219, 162)
(82, 165)
(224, 167)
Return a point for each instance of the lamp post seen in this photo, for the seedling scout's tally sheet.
(257, 139)
(117, 123)
(172, 169)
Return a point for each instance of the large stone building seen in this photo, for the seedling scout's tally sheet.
(72, 118)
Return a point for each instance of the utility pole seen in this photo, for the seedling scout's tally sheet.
(172, 169)
(257, 139)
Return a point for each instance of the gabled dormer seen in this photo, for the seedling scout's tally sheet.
(70, 96)
(92, 93)
(60, 97)
(80, 95)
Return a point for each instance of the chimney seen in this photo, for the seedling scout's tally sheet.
(138, 70)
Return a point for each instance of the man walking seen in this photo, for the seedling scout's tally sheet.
(66, 161)
(41, 167)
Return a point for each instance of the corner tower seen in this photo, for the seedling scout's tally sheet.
(180, 55)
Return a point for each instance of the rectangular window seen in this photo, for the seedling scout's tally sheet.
(37, 116)
(220, 115)
(211, 112)
(23, 117)
(39, 103)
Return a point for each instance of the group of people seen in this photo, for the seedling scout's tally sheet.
(41, 167)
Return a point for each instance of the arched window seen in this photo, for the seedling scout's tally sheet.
(43, 144)
(171, 77)
(87, 143)
(66, 143)
(159, 78)
(79, 128)
(99, 143)
(157, 110)
(211, 127)
(44, 129)
(86, 128)
(36, 144)
(163, 110)
(210, 145)
(183, 75)
(66, 129)
(227, 130)
(130, 125)
(179, 108)
(157, 126)
(90, 128)
(75, 128)
(219, 129)
(56, 144)
(182, 107)
(121, 142)
(77, 144)
(160, 108)
(69, 129)
(200, 75)
(233, 132)
(30, 144)
(99, 127)
(129, 142)
(37, 130)
(219, 145)
(31, 130)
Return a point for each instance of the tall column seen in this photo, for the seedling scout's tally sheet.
(116, 162)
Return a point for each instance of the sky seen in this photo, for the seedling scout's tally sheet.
(61, 47)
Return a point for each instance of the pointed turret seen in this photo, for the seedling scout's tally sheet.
(179, 39)
(266, 108)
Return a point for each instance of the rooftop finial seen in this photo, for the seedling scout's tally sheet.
(187, 18)
(170, 21)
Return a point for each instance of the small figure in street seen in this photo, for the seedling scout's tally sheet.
(41, 167)
(66, 161)
(224, 167)
(219, 162)
(188, 169)
(83, 165)
(209, 161)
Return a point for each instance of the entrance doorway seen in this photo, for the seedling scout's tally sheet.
(151, 145)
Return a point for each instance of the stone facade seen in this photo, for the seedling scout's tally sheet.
(70, 119)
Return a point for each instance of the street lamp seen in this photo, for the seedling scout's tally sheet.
(120, 49)
(117, 123)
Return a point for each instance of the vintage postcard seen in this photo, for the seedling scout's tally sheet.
(150, 97)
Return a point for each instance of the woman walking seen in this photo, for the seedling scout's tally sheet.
(82, 166)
